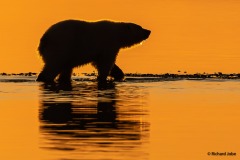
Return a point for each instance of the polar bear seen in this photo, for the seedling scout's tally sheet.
(71, 43)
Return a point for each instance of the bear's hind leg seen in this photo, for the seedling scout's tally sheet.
(117, 73)
(48, 74)
(65, 76)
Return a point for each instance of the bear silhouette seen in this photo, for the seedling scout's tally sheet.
(71, 43)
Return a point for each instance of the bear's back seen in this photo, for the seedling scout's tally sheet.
(63, 35)
(79, 35)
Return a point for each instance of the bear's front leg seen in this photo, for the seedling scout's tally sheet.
(103, 72)
(65, 76)
(104, 65)
(117, 73)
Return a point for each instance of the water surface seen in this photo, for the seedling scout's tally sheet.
(184, 119)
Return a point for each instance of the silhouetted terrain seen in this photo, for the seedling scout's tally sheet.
(188, 76)
(129, 76)
(18, 74)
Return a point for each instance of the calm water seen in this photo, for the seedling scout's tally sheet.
(134, 120)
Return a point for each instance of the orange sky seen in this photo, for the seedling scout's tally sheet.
(193, 36)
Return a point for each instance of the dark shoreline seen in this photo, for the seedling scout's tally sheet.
(140, 76)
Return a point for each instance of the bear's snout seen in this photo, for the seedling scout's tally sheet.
(146, 33)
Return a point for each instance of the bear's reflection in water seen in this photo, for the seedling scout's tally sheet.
(88, 117)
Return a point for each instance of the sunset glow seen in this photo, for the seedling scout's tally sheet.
(175, 96)
(193, 36)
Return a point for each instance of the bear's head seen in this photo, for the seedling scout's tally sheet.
(132, 34)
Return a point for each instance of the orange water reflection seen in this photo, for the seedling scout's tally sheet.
(149, 120)
(87, 123)
(191, 118)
